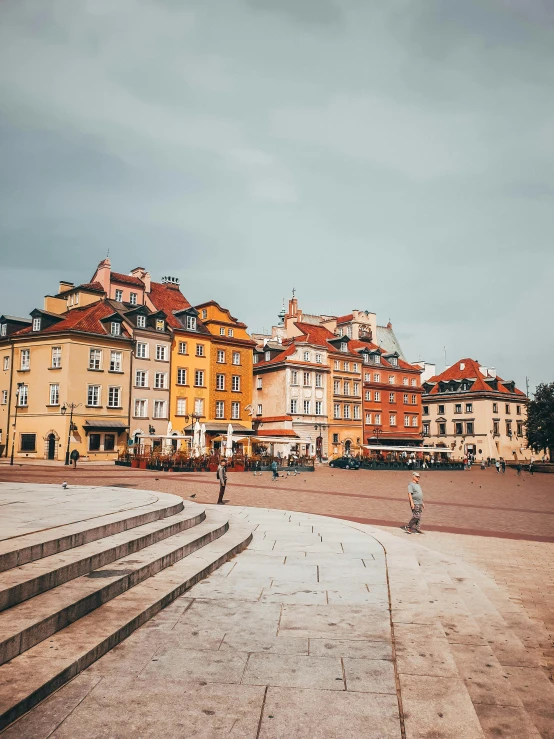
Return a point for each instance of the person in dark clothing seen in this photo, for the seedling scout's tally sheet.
(274, 469)
(74, 457)
(518, 469)
(222, 477)
(503, 463)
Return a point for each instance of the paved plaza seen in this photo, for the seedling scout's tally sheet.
(325, 627)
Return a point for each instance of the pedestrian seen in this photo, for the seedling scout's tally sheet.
(488, 461)
(531, 470)
(482, 464)
(518, 469)
(503, 463)
(74, 457)
(222, 477)
(497, 465)
(415, 497)
(274, 469)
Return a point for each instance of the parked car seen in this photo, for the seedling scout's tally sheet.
(345, 463)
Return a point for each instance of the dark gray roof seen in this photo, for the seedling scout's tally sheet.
(387, 340)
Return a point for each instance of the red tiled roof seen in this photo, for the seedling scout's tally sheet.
(126, 279)
(168, 298)
(87, 319)
(318, 335)
(472, 372)
(345, 319)
(275, 360)
(277, 432)
(90, 286)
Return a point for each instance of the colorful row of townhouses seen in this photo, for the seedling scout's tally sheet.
(125, 362)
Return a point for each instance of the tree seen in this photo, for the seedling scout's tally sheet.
(540, 419)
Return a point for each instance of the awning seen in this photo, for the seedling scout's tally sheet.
(384, 448)
(275, 439)
(101, 425)
(221, 428)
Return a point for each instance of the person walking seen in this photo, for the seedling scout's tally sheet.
(222, 477)
(497, 465)
(503, 463)
(518, 469)
(274, 470)
(74, 457)
(415, 497)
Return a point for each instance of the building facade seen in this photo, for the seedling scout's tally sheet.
(469, 409)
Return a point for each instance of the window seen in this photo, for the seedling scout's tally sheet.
(426, 429)
(469, 427)
(259, 383)
(199, 378)
(4, 329)
(220, 382)
(220, 356)
(161, 353)
(414, 399)
(406, 397)
(200, 350)
(441, 409)
(376, 377)
(28, 442)
(191, 323)
(346, 387)
(294, 377)
(259, 409)
(336, 410)
(25, 359)
(4, 397)
(181, 406)
(204, 314)
(469, 407)
(36, 324)
(93, 395)
(336, 364)
(495, 407)
(222, 331)
(507, 409)
(235, 411)
(318, 358)
(236, 357)
(142, 350)
(318, 380)
(306, 406)
(109, 442)
(141, 378)
(458, 408)
(318, 408)
(199, 406)
(115, 329)
(141, 321)
(392, 397)
(160, 380)
(220, 409)
(367, 377)
(307, 378)
(119, 296)
(54, 394)
(406, 421)
(230, 332)
(442, 429)
(335, 438)
(392, 419)
(346, 411)
(294, 406)
(115, 361)
(414, 421)
(141, 407)
(357, 412)
(23, 398)
(356, 388)
(182, 347)
(391, 379)
(6, 363)
(377, 396)
(394, 361)
(235, 385)
(404, 380)
(368, 394)
(56, 358)
(133, 298)
(518, 410)
(426, 410)
(114, 397)
(520, 428)
(306, 356)
(95, 359)
(349, 331)
(459, 428)
(413, 382)
(255, 359)
(356, 367)
(181, 376)
(377, 419)
(508, 428)
(336, 387)
(495, 428)
(94, 442)
(344, 346)
(368, 418)
(346, 366)
(366, 358)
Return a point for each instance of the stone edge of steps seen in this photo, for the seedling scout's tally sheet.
(238, 537)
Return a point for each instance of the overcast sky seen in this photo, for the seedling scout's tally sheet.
(391, 156)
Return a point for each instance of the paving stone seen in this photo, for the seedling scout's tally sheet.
(335, 622)
(422, 649)
(537, 694)
(197, 665)
(356, 649)
(485, 678)
(271, 645)
(506, 722)
(298, 714)
(294, 671)
(369, 676)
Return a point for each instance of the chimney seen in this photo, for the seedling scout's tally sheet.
(65, 286)
(143, 276)
(293, 308)
(103, 274)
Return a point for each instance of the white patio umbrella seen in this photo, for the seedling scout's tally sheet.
(229, 445)
(203, 439)
(196, 440)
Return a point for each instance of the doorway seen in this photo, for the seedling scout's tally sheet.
(347, 445)
(51, 446)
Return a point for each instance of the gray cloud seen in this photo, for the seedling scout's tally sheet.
(395, 156)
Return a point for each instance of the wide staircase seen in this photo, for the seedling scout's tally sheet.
(70, 593)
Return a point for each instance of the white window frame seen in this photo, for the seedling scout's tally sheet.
(377, 396)
(220, 356)
(220, 381)
(114, 396)
(23, 397)
(222, 331)
(141, 321)
(235, 410)
(140, 408)
(191, 323)
(36, 324)
(306, 356)
(260, 409)
(377, 420)
(133, 298)
(181, 407)
(198, 375)
(294, 377)
(142, 350)
(54, 393)
(235, 383)
(56, 357)
(336, 410)
(95, 357)
(183, 347)
(356, 412)
(160, 380)
(200, 350)
(118, 295)
(94, 396)
(161, 353)
(115, 328)
(392, 380)
(141, 378)
(392, 419)
(318, 359)
(199, 406)
(259, 383)
(230, 332)
(236, 358)
(160, 409)
(220, 409)
(318, 407)
(294, 406)
(406, 421)
(181, 376)
(318, 379)
(4, 397)
(346, 411)
(116, 361)
(307, 378)
(25, 358)
(306, 407)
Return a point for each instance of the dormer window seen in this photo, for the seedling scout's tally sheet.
(191, 323)
(306, 356)
(115, 329)
(160, 324)
(344, 346)
(255, 360)
(230, 332)
(222, 331)
(4, 329)
(133, 299)
(119, 296)
(267, 356)
(36, 324)
(366, 358)
(204, 314)
(141, 321)
(394, 361)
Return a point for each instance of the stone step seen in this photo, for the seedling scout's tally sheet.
(32, 621)
(30, 677)
(27, 581)
(20, 550)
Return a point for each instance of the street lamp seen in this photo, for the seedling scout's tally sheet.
(19, 386)
(63, 409)
(319, 440)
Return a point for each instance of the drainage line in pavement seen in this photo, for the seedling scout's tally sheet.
(262, 713)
